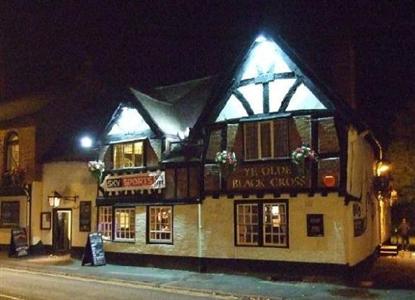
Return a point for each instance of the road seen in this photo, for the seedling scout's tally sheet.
(29, 285)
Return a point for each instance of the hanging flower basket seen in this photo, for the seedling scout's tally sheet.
(301, 155)
(15, 177)
(96, 168)
(227, 162)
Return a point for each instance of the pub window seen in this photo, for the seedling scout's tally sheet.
(12, 152)
(124, 224)
(128, 155)
(266, 140)
(261, 224)
(160, 224)
(247, 224)
(105, 222)
(275, 224)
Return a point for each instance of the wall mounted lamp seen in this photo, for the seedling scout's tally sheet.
(55, 199)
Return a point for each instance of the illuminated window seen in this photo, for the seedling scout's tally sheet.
(247, 224)
(124, 224)
(105, 222)
(161, 224)
(12, 152)
(261, 224)
(128, 155)
(275, 224)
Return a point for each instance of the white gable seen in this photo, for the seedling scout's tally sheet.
(277, 91)
(129, 122)
(303, 98)
(254, 94)
(269, 77)
(265, 57)
(233, 109)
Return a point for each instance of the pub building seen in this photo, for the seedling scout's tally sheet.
(301, 193)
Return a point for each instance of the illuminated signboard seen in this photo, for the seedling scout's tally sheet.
(133, 182)
(269, 176)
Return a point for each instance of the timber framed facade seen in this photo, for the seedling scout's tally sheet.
(269, 209)
(163, 199)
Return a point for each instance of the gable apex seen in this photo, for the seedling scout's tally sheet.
(127, 123)
(267, 83)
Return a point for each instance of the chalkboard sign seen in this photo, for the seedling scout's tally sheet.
(18, 242)
(94, 250)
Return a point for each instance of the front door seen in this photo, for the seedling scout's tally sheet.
(62, 234)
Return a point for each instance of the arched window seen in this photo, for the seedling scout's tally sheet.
(12, 152)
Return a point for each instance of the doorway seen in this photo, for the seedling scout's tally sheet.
(62, 229)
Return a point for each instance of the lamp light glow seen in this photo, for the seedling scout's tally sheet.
(86, 142)
(260, 39)
(382, 168)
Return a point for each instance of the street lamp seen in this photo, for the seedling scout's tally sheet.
(55, 199)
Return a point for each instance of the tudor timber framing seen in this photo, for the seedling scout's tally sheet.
(230, 81)
(314, 188)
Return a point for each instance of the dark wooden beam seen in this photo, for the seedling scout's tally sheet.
(289, 95)
(244, 102)
(265, 96)
(314, 145)
(285, 75)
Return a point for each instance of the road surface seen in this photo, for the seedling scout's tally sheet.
(29, 285)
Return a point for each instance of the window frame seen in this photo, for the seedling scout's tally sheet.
(115, 227)
(148, 225)
(260, 157)
(144, 159)
(8, 144)
(111, 223)
(4, 206)
(261, 217)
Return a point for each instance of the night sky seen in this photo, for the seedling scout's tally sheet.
(47, 44)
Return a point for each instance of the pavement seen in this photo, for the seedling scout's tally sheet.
(390, 278)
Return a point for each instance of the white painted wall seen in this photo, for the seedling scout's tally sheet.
(68, 179)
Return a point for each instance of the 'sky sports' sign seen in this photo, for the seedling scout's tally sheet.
(133, 182)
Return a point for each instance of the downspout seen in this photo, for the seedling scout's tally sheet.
(28, 193)
(375, 140)
(380, 210)
(199, 236)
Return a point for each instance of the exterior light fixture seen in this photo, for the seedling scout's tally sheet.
(382, 168)
(55, 199)
(393, 197)
(382, 177)
(260, 39)
(86, 142)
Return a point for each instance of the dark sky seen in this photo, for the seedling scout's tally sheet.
(47, 43)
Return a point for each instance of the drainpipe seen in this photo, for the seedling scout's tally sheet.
(28, 193)
(375, 140)
(199, 235)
